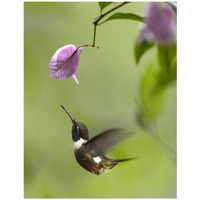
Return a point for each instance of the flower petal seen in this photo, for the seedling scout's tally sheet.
(64, 63)
(161, 23)
(75, 78)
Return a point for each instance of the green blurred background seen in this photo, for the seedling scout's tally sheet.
(109, 81)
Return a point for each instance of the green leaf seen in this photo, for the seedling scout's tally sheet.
(120, 15)
(140, 49)
(166, 56)
(167, 59)
(164, 78)
(103, 5)
(141, 116)
(152, 96)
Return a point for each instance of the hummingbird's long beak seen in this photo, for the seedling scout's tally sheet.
(73, 120)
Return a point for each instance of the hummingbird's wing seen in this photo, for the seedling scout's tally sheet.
(103, 141)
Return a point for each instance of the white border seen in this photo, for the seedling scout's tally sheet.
(11, 146)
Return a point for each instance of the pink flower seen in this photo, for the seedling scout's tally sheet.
(160, 24)
(64, 62)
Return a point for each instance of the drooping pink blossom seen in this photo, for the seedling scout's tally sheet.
(64, 62)
(160, 24)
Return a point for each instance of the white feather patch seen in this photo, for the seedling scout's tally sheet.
(79, 143)
(97, 159)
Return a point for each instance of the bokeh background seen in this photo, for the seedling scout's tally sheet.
(110, 81)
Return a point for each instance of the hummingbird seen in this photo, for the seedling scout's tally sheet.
(89, 153)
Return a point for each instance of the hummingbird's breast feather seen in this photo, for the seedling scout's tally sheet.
(96, 165)
(85, 159)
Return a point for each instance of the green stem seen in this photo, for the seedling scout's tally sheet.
(95, 27)
(84, 45)
(94, 37)
(102, 16)
(108, 12)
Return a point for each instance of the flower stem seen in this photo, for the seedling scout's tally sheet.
(84, 45)
(87, 45)
(94, 37)
(95, 27)
(108, 12)
(102, 16)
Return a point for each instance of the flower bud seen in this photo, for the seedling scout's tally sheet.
(160, 24)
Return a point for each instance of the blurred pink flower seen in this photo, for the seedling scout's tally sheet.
(64, 63)
(160, 24)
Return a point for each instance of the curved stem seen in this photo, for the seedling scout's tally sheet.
(87, 45)
(102, 16)
(95, 27)
(84, 45)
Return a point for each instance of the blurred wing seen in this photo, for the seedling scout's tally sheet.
(103, 141)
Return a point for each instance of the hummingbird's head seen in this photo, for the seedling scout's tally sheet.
(79, 129)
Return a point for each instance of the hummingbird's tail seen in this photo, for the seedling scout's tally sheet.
(126, 159)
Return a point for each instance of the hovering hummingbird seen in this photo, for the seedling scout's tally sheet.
(89, 153)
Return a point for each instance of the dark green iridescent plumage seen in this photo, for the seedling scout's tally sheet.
(90, 153)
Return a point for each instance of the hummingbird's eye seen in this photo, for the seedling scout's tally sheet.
(77, 129)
